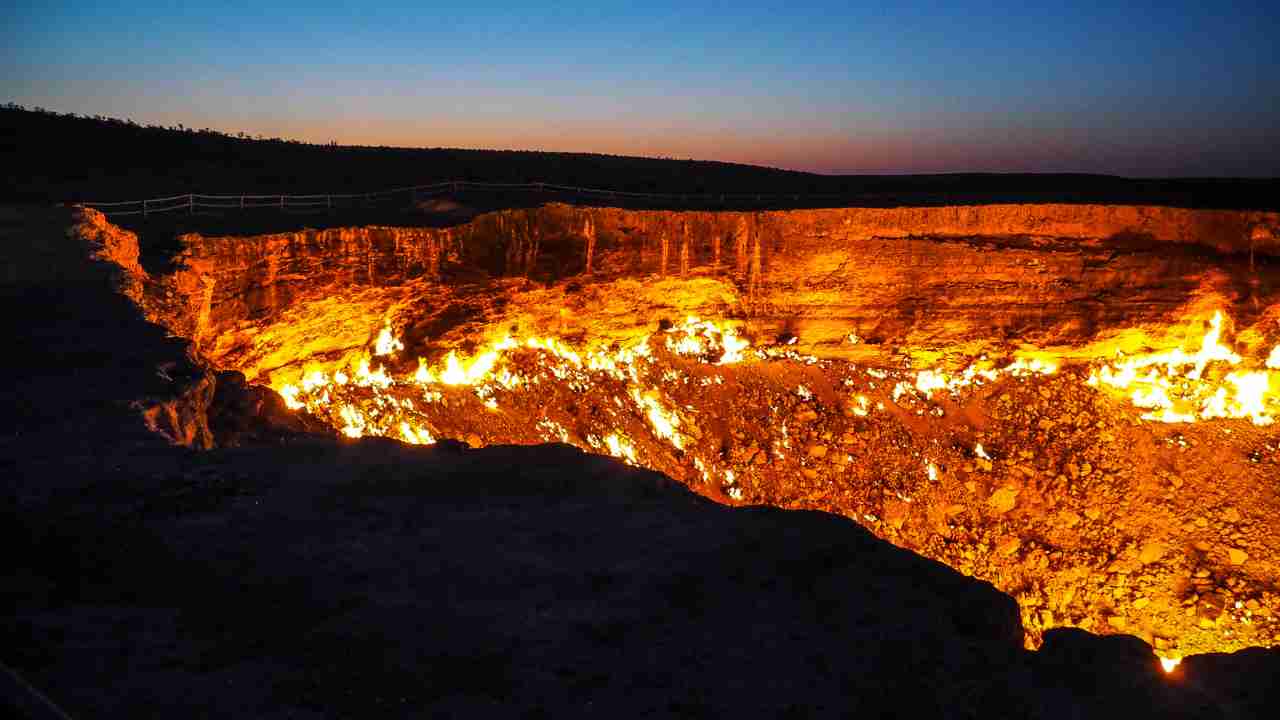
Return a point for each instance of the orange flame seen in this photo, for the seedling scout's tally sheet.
(1173, 387)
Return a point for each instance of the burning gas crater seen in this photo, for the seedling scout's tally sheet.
(1058, 482)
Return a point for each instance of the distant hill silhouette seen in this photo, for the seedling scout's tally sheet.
(52, 157)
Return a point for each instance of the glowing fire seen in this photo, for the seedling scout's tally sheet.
(387, 343)
(1168, 664)
(703, 337)
(664, 422)
(620, 447)
(983, 371)
(415, 435)
(1174, 388)
(369, 401)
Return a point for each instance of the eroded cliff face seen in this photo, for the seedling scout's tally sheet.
(195, 403)
(948, 377)
(919, 282)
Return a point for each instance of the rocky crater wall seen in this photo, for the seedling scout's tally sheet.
(866, 283)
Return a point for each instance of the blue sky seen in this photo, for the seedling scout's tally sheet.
(1144, 89)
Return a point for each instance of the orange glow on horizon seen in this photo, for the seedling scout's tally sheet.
(818, 149)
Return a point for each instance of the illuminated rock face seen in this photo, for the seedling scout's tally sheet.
(914, 281)
(949, 377)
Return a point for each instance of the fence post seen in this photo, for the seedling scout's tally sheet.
(191, 204)
(328, 202)
(282, 202)
(144, 208)
(241, 202)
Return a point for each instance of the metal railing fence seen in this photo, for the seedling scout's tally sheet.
(191, 202)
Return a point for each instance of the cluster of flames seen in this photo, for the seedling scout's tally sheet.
(929, 381)
(368, 401)
(387, 405)
(1172, 386)
(1181, 387)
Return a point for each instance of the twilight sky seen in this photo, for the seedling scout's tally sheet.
(1147, 89)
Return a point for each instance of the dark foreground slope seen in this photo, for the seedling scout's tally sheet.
(63, 158)
(308, 577)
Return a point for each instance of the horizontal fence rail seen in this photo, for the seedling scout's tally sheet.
(192, 202)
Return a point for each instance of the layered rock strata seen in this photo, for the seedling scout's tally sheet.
(919, 282)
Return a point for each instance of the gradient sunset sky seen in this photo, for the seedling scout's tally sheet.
(1141, 89)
